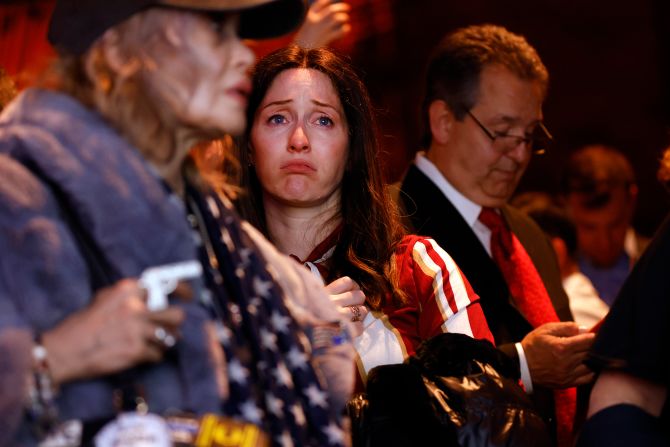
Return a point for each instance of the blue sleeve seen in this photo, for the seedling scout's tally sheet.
(43, 277)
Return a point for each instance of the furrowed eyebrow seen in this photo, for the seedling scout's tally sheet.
(287, 101)
(323, 104)
(276, 103)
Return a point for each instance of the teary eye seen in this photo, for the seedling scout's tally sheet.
(276, 119)
(324, 121)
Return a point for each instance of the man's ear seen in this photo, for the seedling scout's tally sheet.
(441, 119)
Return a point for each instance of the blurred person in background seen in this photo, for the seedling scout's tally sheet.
(599, 191)
(586, 306)
(326, 21)
(7, 89)
(628, 403)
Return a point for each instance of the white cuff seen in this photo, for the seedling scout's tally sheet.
(523, 366)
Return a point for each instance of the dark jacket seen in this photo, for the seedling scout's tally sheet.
(432, 214)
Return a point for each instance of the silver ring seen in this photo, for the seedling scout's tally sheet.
(164, 337)
(355, 313)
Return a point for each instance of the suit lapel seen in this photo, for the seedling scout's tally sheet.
(433, 215)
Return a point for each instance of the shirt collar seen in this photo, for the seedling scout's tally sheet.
(468, 209)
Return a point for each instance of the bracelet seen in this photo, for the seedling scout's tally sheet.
(42, 409)
(324, 336)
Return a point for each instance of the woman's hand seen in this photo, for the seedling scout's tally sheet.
(326, 21)
(349, 298)
(115, 332)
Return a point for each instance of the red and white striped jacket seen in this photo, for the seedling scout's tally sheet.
(439, 299)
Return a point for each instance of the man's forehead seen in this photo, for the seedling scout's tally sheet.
(613, 207)
(510, 97)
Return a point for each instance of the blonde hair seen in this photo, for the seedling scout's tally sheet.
(122, 96)
(111, 78)
(218, 167)
(7, 89)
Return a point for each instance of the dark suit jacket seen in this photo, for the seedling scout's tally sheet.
(430, 213)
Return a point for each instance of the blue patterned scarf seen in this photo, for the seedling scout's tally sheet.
(272, 382)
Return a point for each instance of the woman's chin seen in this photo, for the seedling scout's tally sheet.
(298, 199)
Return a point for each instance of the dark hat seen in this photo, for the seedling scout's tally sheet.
(76, 24)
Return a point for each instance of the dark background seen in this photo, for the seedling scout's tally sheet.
(608, 63)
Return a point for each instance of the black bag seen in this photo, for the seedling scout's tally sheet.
(456, 391)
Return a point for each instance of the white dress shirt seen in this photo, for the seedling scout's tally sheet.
(469, 210)
(466, 207)
(586, 306)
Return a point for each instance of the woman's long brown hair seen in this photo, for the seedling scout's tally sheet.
(372, 228)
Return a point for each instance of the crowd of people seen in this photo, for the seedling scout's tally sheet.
(200, 249)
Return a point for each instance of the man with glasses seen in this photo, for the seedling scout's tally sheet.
(483, 120)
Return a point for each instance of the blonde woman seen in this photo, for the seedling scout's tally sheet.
(97, 188)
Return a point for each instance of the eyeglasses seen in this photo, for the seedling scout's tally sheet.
(539, 141)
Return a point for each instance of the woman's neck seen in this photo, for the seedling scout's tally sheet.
(298, 230)
(169, 168)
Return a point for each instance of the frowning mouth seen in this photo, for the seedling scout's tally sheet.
(298, 166)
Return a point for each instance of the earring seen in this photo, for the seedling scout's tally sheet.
(105, 82)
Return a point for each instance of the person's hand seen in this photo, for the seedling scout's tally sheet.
(326, 21)
(349, 298)
(115, 332)
(555, 352)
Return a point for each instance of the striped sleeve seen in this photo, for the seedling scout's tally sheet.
(447, 301)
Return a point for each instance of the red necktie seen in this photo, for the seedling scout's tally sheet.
(531, 298)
